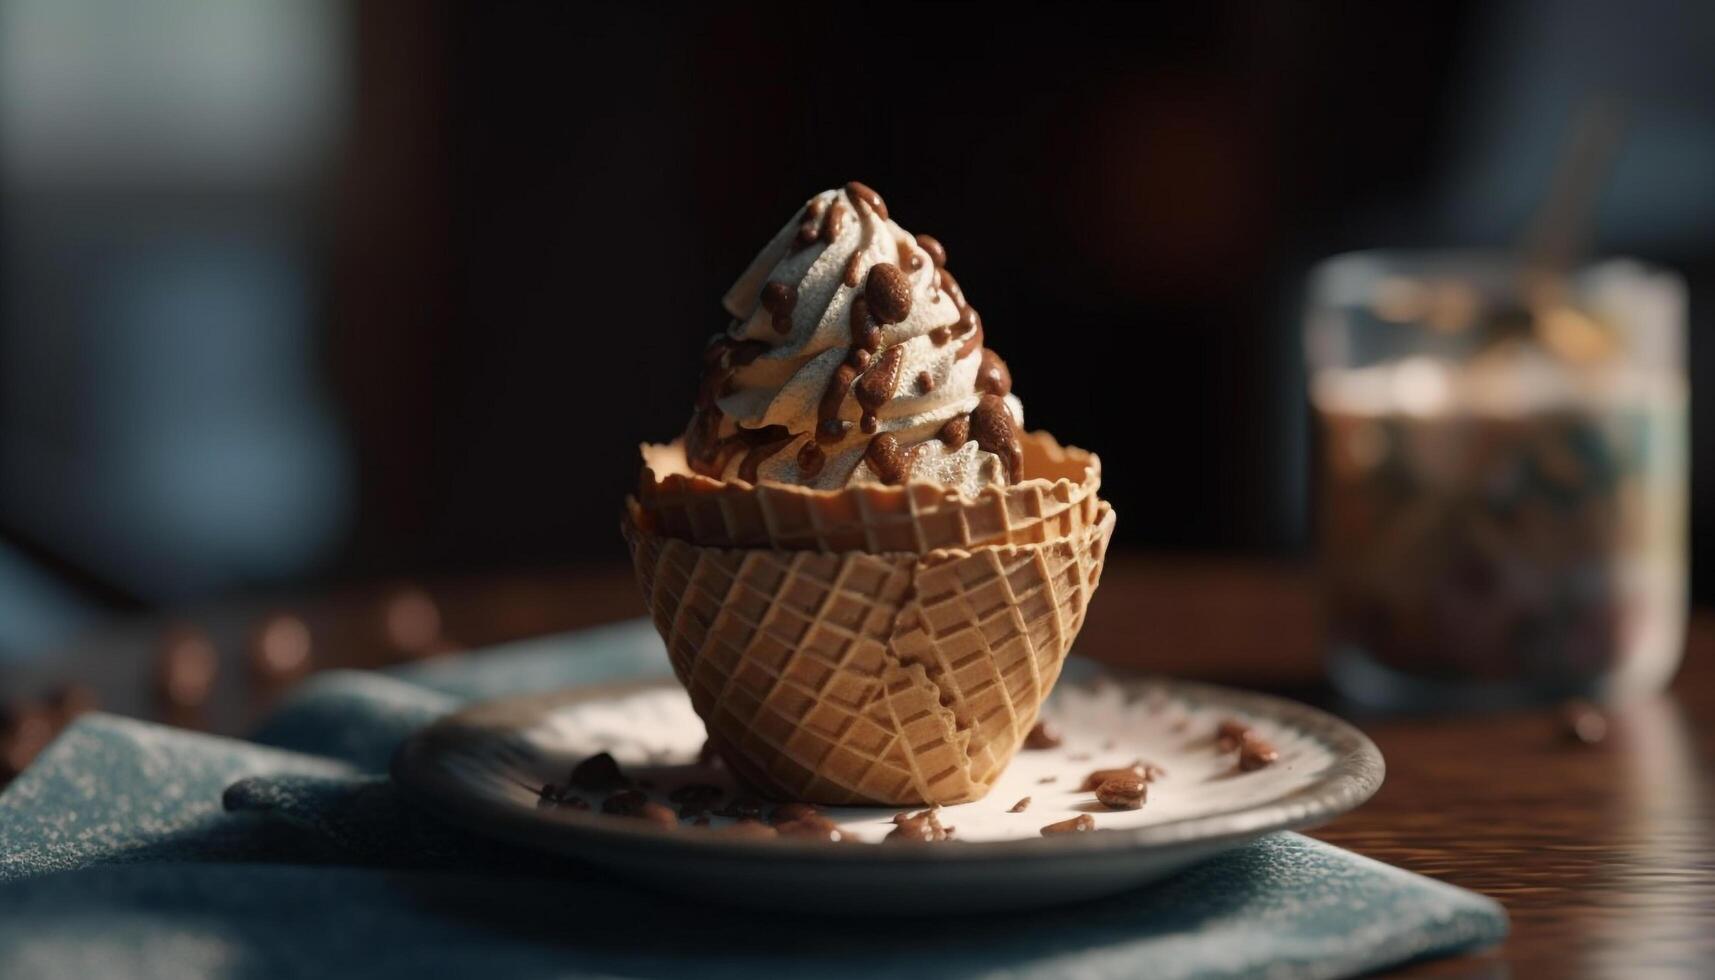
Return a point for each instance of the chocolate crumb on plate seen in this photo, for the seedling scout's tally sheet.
(1045, 780)
(1043, 735)
(924, 825)
(1147, 772)
(659, 815)
(748, 829)
(599, 771)
(625, 803)
(1124, 793)
(1077, 824)
(1254, 753)
(1230, 734)
(1020, 806)
(789, 812)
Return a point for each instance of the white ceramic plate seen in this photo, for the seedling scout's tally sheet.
(481, 768)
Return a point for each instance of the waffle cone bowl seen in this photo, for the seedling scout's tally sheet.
(870, 645)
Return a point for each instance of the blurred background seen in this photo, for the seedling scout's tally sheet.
(300, 295)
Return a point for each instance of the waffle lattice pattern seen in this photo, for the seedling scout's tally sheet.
(1058, 503)
(857, 678)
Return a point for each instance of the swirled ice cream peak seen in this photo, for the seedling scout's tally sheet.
(853, 357)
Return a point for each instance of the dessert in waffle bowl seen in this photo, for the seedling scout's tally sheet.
(867, 574)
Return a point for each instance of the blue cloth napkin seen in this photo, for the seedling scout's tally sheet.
(134, 850)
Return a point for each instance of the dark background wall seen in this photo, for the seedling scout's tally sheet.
(434, 341)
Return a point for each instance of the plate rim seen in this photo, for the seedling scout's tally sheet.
(1355, 775)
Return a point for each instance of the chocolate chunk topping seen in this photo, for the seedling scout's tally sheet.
(778, 299)
(1020, 806)
(871, 339)
(886, 460)
(925, 382)
(811, 459)
(858, 191)
(937, 253)
(889, 293)
(940, 336)
(1077, 824)
(992, 376)
(993, 428)
(879, 382)
(858, 357)
(834, 223)
(869, 423)
(955, 432)
(854, 269)
(1137, 770)
(598, 772)
(1043, 734)
(1122, 794)
(969, 319)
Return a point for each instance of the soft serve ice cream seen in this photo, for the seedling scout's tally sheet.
(853, 357)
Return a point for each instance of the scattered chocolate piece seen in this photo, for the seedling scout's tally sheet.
(859, 191)
(749, 830)
(788, 812)
(1584, 722)
(816, 827)
(925, 825)
(1125, 793)
(696, 797)
(741, 810)
(1077, 824)
(659, 815)
(1020, 806)
(1139, 770)
(598, 772)
(1044, 735)
(1048, 779)
(625, 803)
(1254, 753)
(1229, 734)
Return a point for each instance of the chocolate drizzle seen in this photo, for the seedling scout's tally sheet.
(859, 191)
(763, 443)
(779, 298)
(909, 258)
(834, 223)
(992, 376)
(810, 459)
(704, 449)
(937, 252)
(881, 380)
(996, 432)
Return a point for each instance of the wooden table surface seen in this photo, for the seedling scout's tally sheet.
(1604, 854)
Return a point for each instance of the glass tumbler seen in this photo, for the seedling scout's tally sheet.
(1502, 477)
